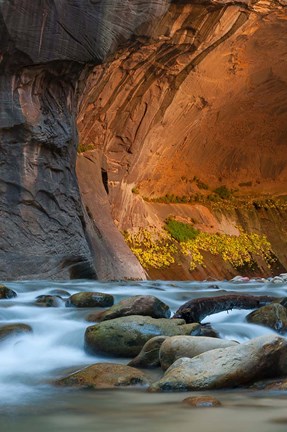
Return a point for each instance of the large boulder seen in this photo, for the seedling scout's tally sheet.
(90, 299)
(105, 375)
(273, 316)
(145, 305)
(176, 347)
(126, 336)
(259, 358)
(16, 329)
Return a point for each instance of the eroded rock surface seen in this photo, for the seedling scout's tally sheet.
(44, 48)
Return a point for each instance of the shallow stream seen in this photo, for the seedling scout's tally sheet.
(28, 402)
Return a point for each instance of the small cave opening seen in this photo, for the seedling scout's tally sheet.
(105, 180)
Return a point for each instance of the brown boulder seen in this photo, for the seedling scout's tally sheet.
(202, 402)
(90, 299)
(105, 375)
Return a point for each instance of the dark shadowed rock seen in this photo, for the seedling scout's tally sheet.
(90, 299)
(149, 354)
(105, 375)
(176, 347)
(126, 336)
(273, 316)
(6, 293)
(263, 357)
(138, 305)
(14, 330)
(197, 309)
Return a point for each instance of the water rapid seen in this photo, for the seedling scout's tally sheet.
(30, 362)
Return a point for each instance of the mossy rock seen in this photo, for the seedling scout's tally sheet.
(105, 375)
(273, 316)
(6, 293)
(10, 330)
(90, 299)
(126, 336)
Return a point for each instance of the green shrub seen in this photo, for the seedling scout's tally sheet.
(181, 231)
(223, 192)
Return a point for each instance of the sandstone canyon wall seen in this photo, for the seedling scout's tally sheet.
(199, 105)
(45, 46)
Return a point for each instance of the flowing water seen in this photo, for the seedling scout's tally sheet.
(29, 364)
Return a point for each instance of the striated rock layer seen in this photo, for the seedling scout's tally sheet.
(45, 231)
(203, 97)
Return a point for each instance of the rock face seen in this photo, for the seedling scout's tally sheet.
(127, 335)
(160, 114)
(45, 229)
(263, 357)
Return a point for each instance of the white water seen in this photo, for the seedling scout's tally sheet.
(30, 362)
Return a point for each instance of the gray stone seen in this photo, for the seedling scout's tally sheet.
(176, 347)
(259, 358)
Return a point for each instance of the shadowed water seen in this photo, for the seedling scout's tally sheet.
(29, 363)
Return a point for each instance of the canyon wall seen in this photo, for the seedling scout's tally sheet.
(45, 48)
(199, 104)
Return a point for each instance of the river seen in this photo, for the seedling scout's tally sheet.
(28, 401)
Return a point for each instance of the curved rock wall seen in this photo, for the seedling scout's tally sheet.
(44, 48)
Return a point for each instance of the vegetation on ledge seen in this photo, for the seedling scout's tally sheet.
(161, 249)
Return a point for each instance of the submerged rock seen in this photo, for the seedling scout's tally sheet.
(126, 336)
(14, 330)
(273, 316)
(149, 354)
(90, 299)
(6, 293)
(145, 305)
(176, 347)
(105, 375)
(259, 358)
(202, 402)
(49, 301)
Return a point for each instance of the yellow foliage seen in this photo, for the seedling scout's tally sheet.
(158, 250)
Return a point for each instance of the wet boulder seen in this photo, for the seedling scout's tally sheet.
(14, 330)
(105, 375)
(273, 316)
(176, 347)
(149, 354)
(90, 299)
(126, 336)
(6, 293)
(259, 358)
(49, 301)
(145, 305)
(59, 292)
